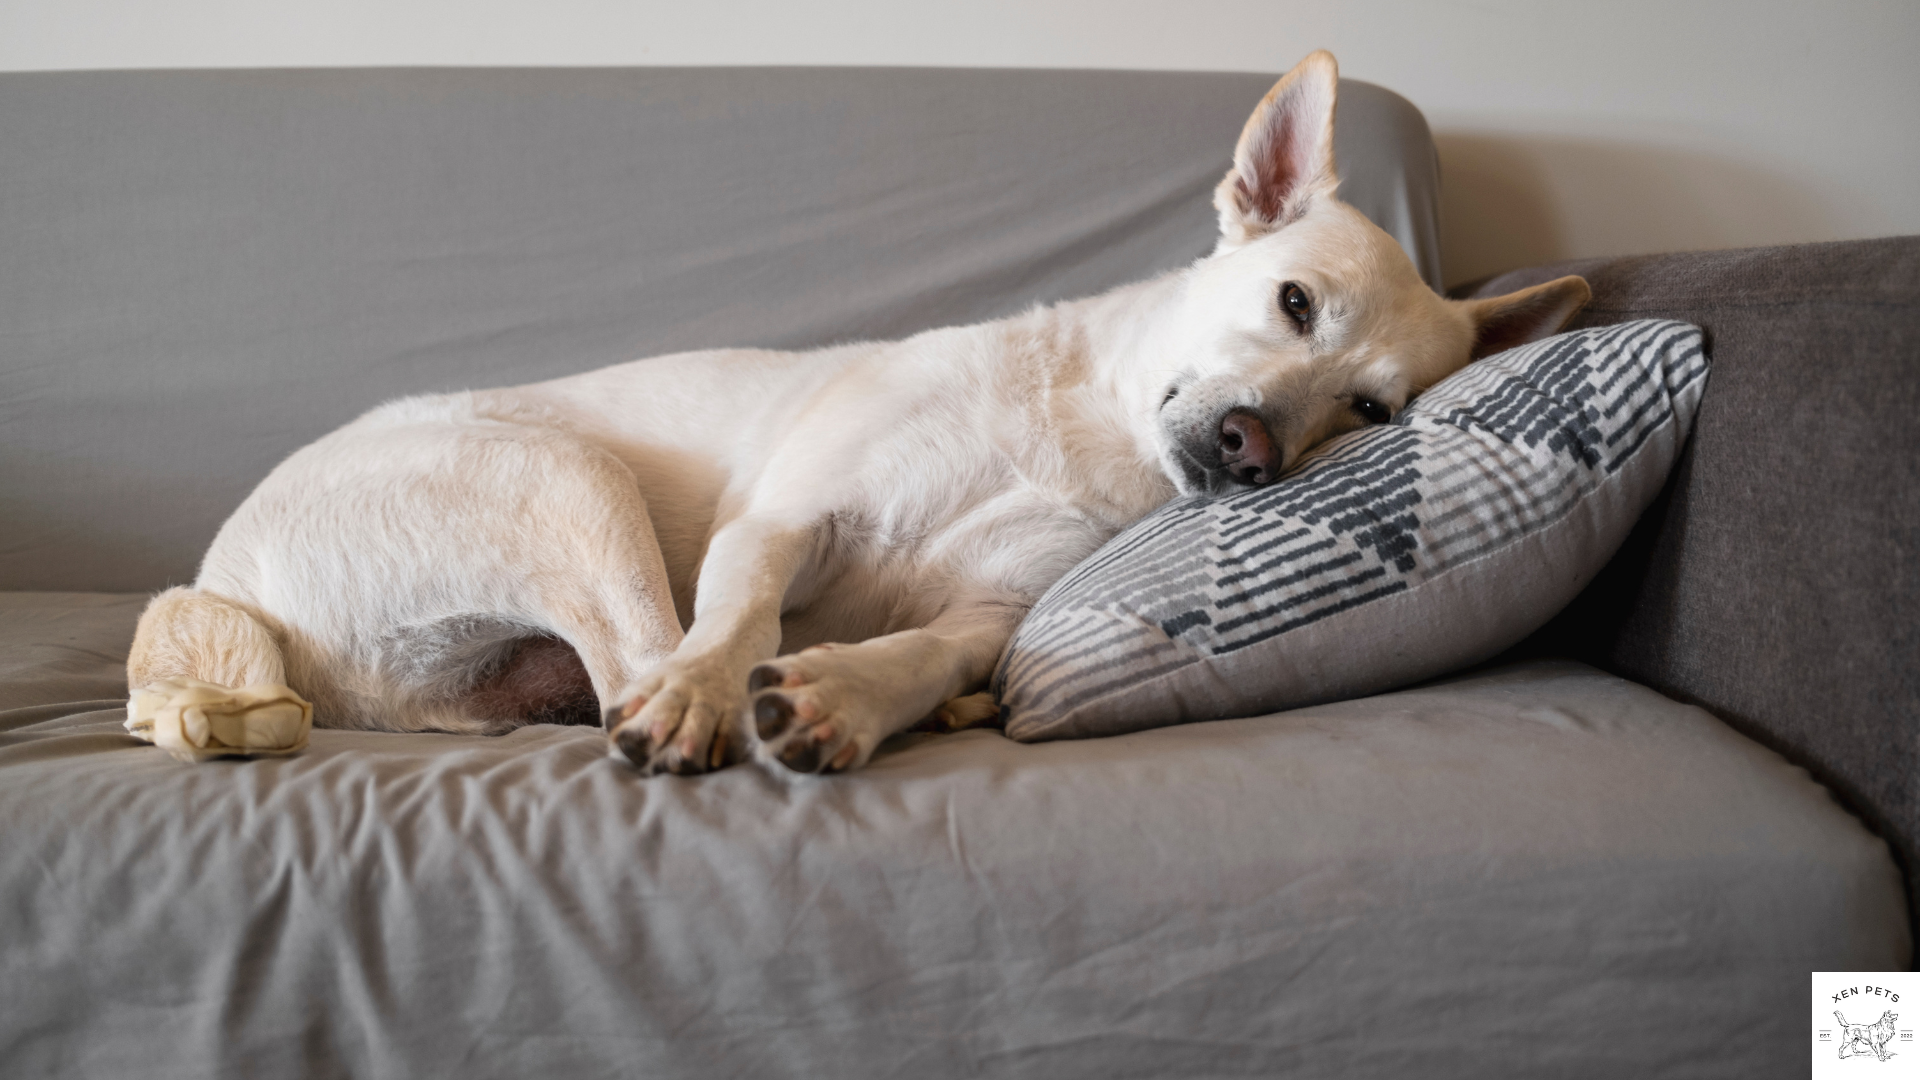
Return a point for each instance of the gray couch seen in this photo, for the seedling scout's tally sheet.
(1616, 851)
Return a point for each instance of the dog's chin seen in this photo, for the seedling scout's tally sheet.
(1192, 478)
(1222, 483)
(1189, 476)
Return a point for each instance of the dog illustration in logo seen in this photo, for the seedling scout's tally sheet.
(1867, 1038)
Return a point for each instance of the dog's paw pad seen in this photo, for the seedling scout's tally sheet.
(633, 742)
(775, 674)
(772, 715)
(807, 751)
(799, 735)
(802, 757)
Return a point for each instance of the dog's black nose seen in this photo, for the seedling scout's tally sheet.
(1246, 448)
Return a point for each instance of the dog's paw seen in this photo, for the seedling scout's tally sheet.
(974, 710)
(682, 718)
(815, 713)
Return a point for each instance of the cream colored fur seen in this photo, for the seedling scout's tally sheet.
(189, 632)
(691, 524)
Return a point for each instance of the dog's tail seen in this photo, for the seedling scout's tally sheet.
(197, 635)
(205, 679)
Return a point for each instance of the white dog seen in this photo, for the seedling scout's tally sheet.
(676, 539)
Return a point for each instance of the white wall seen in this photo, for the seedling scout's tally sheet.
(1564, 128)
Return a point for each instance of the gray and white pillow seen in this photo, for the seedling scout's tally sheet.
(1394, 554)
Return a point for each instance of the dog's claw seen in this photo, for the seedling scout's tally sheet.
(623, 711)
(771, 716)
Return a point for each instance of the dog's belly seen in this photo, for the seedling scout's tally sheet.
(541, 681)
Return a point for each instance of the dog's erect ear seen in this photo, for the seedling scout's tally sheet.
(1285, 156)
(1506, 322)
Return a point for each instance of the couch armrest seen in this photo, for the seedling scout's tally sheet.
(1777, 580)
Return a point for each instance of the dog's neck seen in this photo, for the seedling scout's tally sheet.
(1103, 363)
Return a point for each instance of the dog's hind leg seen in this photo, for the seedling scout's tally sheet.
(484, 575)
(973, 710)
(596, 580)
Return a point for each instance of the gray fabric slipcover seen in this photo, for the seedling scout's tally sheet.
(1542, 871)
(204, 271)
(1778, 582)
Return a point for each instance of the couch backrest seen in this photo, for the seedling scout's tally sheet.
(1777, 581)
(206, 270)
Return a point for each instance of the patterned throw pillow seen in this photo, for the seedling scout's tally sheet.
(1394, 554)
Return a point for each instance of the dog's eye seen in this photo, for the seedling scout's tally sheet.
(1372, 411)
(1294, 300)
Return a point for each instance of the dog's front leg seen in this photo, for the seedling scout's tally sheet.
(684, 716)
(828, 707)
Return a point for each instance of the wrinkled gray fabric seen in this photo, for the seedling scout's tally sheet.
(1540, 870)
(206, 270)
(1778, 581)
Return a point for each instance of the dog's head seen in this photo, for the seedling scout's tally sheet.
(1308, 320)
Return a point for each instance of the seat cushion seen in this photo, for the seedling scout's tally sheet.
(1540, 867)
(1775, 582)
